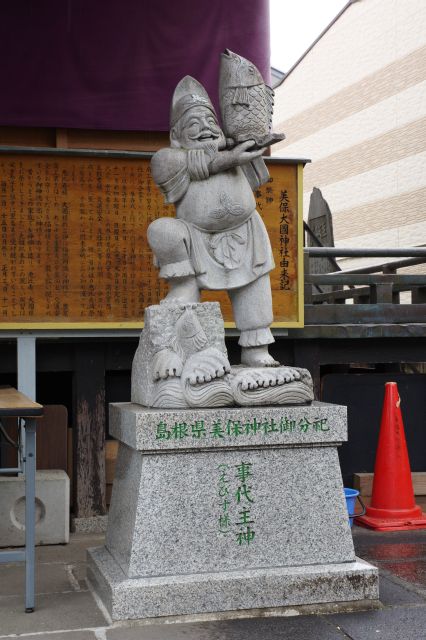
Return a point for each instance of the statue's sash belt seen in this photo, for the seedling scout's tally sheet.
(261, 253)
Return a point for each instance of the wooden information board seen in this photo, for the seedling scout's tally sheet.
(74, 252)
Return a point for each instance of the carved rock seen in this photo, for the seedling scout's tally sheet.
(182, 362)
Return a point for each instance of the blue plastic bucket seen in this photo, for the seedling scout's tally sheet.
(351, 496)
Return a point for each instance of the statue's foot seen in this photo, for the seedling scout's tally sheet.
(268, 386)
(205, 366)
(166, 364)
(257, 357)
(183, 289)
(253, 379)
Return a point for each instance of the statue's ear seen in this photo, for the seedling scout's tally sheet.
(174, 138)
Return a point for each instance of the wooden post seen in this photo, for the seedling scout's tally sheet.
(418, 295)
(89, 431)
(308, 286)
(307, 355)
(62, 138)
(381, 293)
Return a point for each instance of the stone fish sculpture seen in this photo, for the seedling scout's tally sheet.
(182, 361)
(246, 102)
(217, 241)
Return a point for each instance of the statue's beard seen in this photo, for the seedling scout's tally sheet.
(211, 145)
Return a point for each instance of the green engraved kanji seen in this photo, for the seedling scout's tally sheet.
(162, 432)
(217, 429)
(253, 427)
(287, 425)
(224, 523)
(270, 426)
(180, 430)
(223, 478)
(243, 471)
(320, 425)
(245, 536)
(233, 490)
(234, 428)
(304, 424)
(198, 429)
(245, 517)
(244, 491)
(223, 491)
(225, 505)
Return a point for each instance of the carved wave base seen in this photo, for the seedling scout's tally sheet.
(182, 362)
(267, 386)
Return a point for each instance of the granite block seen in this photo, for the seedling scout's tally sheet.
(92, 524)
(226, 591)
(125, 500)
(163, 430)
(226, 510)
(52, 492)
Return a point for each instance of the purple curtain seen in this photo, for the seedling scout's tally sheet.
(113, 64)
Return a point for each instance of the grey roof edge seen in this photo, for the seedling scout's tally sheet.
(311, 46)
(277, 76)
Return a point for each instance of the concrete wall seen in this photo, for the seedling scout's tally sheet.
(356, 105)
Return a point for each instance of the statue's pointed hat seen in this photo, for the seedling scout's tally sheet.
(188, 93)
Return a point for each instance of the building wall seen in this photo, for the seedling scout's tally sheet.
(356, 105)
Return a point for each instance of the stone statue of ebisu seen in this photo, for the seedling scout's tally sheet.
(217, 241)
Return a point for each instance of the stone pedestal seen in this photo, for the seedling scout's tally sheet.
(227, 509)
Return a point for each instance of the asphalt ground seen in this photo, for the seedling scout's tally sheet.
(67, 610)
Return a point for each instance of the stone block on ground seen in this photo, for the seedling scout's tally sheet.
(227, 509)
(51, 510)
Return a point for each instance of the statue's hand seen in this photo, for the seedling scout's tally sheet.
(235, 157)
(241, 155)
(166, 364)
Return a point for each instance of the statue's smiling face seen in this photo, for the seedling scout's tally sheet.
(197, 129)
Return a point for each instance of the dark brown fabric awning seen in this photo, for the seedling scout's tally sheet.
(113, 64)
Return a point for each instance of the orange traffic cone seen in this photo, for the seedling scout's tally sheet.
(392, 505)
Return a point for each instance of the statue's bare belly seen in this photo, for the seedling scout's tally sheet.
(223, 201)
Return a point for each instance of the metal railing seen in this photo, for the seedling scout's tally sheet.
(369, 293)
